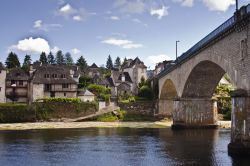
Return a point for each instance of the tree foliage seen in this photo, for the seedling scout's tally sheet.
(109, 63)
(60, 58)
(12, 61)
(85, 81)
(68, 59)
(51, 58)
(26, 62)
(82, 63)
(117, 64)
(43, 58)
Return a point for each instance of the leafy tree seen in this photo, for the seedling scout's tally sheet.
(43, 58)
(26, 62)
(69, 59)
(146, 92)
(85, 81)
(81, 62)
(12, 61)
(109, 63)
(117, 62)
(60, 58)
(51, 58)
(100, 91)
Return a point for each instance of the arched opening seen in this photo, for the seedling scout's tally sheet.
(167, 96)
(203, 80)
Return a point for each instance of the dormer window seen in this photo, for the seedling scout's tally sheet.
(54, 75)
(63, 76)
(46, 75)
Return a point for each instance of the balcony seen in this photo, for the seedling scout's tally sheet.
(55, 89)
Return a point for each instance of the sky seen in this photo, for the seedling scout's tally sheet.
(147, 29)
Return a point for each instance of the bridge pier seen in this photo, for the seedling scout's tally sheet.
(165, 107)
(240, 128)
(194, 113)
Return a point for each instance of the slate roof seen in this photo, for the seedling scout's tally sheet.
(117, 76)
(85, 93)
(17, 74)
(60, 71)
(93, 66)
(130, 63)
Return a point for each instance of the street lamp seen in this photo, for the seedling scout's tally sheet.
(176, 44)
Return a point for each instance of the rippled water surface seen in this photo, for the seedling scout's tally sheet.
(116, 147)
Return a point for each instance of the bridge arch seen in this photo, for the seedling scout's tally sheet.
(202, 80)
(167, 95)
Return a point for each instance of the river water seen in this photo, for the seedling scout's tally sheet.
(116, 147)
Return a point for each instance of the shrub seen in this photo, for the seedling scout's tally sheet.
(100, 91)
(146, 92)
(59, 99)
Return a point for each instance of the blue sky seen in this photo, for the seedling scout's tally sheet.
(96, 28)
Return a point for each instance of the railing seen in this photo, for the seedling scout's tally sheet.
(203, 42)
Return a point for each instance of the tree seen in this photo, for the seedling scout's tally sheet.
(117, 62)
(69, 59)
(26, 62)
(60, 58)
(81, 62)
(109, 63)
(43, 58)
(12, 61)
(51, 58)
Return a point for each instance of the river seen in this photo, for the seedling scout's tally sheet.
(116, 147)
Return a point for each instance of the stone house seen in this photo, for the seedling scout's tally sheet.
(53, 81)
(17, 86)
(159, 67)
(86, 96)
(2, 84)
(137, 70)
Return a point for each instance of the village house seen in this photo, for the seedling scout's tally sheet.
(136, 70)
(86, 96)
(53, 81)
(2, 83)
(17, 86)
(159, 67)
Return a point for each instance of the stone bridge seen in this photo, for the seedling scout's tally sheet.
(186, 87)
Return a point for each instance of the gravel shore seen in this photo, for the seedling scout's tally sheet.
(68, 125)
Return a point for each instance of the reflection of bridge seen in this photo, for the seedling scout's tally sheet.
(186, 88)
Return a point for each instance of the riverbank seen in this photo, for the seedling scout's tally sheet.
(69, 125)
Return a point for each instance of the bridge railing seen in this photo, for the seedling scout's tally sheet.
(203, 42)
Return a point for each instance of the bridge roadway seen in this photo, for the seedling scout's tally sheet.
(186, 87)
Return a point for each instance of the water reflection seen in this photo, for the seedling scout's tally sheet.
(116, 146)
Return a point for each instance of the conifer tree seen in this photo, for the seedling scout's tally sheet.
(60, 58)
(12, 61)
(82, 63)
(117, 63)
(51, 58)
(26, 62)
(109, 63)
(69, 59)
(43, 58)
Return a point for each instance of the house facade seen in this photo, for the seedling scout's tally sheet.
(2, 84)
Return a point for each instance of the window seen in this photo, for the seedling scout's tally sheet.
(47, 87)
(54, 75)
(46, 75)
(0, 89)
(21, 83)
(65, 95)
(13, 82)
(65, 86)
(63, 76)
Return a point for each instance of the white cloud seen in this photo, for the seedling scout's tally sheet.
(126, 44)
(151, 61)
(75, 51)
(161, 12)
(114, 18)
(31, 45)
(77, 18)
(38, 24)
(55, 49)
(187, 3)
(76, 14)
(132, 7)
(218, 5)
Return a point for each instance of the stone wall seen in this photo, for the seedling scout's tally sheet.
(2, 86)
(145, 108)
